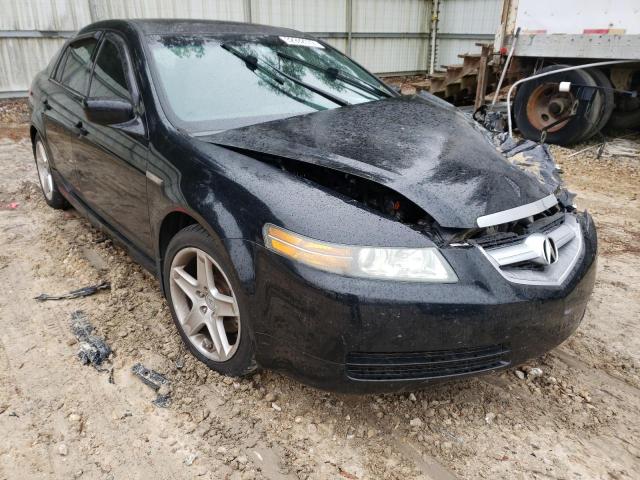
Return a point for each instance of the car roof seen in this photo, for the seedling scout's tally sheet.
(192, 27)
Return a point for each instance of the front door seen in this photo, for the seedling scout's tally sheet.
(111, 160)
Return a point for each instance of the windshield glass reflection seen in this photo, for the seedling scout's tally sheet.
(209, 85)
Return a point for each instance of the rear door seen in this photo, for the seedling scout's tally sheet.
(62, 104)
(111, 160)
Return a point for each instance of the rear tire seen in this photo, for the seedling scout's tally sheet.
(539, 104)
(50, 190)
(207, 302)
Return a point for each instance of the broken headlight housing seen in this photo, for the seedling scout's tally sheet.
(385, 263)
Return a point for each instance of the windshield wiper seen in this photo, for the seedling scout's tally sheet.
(253, 63)
(335, 73)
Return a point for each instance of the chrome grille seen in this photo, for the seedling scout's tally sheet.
(516, 263)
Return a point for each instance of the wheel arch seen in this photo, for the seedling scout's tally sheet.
(173, 222)
(33, 131)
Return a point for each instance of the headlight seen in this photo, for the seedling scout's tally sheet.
(402, 264)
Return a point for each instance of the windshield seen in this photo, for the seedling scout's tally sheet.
(208, 84)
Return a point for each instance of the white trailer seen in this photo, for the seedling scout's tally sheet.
(555, 34)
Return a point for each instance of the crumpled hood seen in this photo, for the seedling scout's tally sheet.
(424, 150)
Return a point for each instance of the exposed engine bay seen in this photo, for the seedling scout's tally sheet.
(533, 158)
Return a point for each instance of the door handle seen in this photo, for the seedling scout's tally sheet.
(83, 131)
(45, 102)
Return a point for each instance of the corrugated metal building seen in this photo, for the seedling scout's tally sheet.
(463, 23)
(387, 36)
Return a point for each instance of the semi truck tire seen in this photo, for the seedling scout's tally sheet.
(539, 104)
(621, 120)
(603, 104)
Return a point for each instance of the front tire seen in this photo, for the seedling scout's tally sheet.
(207, 302)
(50, 191)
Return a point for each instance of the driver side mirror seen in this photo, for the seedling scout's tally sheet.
(105, 111)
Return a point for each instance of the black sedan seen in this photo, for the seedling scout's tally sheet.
(299, 214)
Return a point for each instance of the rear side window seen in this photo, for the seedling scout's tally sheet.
(109, 76)
(76, 71)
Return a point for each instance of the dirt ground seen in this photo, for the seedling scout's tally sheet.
(579, 419)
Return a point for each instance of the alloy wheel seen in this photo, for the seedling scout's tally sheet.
(205, 304)
(44, 170)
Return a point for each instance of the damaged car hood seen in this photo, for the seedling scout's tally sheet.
(424, 150)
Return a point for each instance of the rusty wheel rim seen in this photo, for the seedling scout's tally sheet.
(546, 105)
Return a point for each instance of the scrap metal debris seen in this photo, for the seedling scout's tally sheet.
(622, 147)
(536, 160)
(93, 349)
(81, 292)
(533, 158)
(155, 380)
(616, 147)
(492, 120)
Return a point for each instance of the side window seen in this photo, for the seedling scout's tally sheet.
(77, 65)
(109, 77)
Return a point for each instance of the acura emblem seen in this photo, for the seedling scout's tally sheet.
(543, 247)
(549, 251)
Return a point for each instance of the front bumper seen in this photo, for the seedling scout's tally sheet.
(361, 335)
